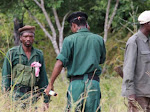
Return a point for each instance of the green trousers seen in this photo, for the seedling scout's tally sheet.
(83, 96)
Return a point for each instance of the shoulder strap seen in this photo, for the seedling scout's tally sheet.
(20, 58)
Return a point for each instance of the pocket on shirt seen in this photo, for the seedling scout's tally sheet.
(145, 56)
(15, 61)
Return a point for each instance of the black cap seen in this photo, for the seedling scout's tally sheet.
(75, 15)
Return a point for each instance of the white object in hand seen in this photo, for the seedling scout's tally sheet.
(52, 93)
(37, 66)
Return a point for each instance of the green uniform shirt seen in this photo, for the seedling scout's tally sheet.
(82, 53)
(13, 55)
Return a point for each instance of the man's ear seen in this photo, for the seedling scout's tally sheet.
(75, 26)
(20, 39)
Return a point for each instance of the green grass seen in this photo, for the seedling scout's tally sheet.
(111, 101)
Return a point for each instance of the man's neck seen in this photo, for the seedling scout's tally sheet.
(80, 27)
(26, 49)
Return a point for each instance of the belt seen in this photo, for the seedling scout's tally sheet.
(80, 77)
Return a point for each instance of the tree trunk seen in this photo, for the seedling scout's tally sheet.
(17, 24)
(59, 26)
(108, 21)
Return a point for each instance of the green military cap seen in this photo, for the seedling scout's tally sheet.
(27, 28)
(76, 15)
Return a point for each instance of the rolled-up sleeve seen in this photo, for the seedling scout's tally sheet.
(65, 53)
(129, 69)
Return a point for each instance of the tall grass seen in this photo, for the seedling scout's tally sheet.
(111, 101)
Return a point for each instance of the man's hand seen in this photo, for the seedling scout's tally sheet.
(132, 97)
(56, 71)
(49, 87)
(132, 101)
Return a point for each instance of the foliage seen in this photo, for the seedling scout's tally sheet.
(6, 31)
(123, 12)
(95, 9)
(115, 48)
(6, 37)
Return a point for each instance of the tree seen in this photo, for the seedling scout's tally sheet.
(108, 21)
(60, 26)
(17, 24)
(8, 6)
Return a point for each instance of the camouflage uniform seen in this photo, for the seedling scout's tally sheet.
(22, 87)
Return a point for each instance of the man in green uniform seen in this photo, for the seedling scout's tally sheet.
(24, 69)
(82, 52)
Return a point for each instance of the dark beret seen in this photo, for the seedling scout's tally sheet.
(76, 15)
(27, 28)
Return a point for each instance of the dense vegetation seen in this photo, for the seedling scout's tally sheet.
(123, 25)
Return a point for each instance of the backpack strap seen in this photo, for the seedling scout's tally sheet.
(20, 58)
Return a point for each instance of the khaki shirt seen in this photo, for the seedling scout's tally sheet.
(136, 64)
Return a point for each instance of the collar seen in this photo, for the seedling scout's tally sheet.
(21, 51)
(83, 30)
(143, 37)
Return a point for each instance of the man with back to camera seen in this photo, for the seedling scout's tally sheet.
(82, 52)
(27, 69)
(136, 69)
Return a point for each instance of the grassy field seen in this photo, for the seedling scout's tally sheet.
(111, 101)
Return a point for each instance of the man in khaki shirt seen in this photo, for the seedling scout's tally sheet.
(136, 69)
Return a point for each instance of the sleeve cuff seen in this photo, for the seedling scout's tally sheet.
(63, 59)
(127, 93)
